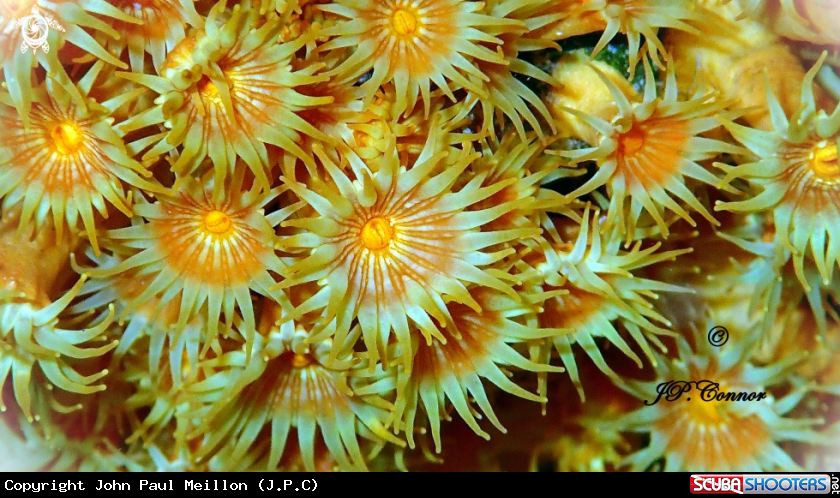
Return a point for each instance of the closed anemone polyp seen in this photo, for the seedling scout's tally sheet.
(596, 295)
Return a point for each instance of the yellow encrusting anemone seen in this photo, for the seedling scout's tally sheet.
(69, 162)
(208, 254)
(725, 434)
(225, 94)
(389, 246)
(475, 346)
(649, 150)
(797, 177)
(31, 332)
(414, 44)
(348, 235)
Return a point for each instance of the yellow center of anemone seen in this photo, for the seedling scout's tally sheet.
(207, 88)
(301, 360)
(67, 137)
(377, 233)
(707, 413)
(217, 222)
(632, 141)
(824, 161)
(404, 22)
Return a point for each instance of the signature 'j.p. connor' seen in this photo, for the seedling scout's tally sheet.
(709, 391)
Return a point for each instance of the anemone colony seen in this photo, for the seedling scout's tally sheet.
(339, 235)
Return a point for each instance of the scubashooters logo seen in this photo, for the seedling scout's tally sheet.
(712, 484)
(709, 391)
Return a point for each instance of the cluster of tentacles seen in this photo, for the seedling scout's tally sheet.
(365, 234)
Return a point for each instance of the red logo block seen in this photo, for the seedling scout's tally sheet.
(713, 484)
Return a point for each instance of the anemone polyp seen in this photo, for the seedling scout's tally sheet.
(287, 386)
(476, 346)
(72, 17)
(634, 18)
(593, 291)
(157, 26)
(810, 21)
(68, 162)
(211, 253)
(703, 431)
(229, 100)
(648, 150)
(414, 44)
(147, 324)
(30, 329)
(393, 244)
(798, 176)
